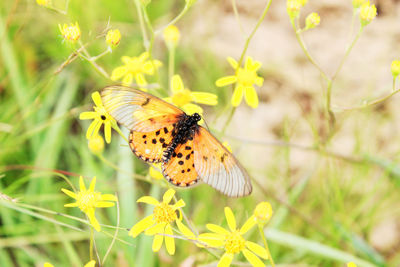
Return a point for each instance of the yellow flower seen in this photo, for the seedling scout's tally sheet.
(263, 212)
(47, 264)
(171, 35)
(351, 264)
(70, 33)
(87, 200)
(159, 223)
(233, 242)
(43, 2)
(293, 7)
(395, 68)
(312, 20)
(367, 13)
(100, 117)
(358, 3)
(96, 144)
(113, 38)
(244, 79)
(182, 97)
(154, 171)
(135, 68)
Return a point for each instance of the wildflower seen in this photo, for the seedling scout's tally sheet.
(135, 68)
(100, 117)
(367, 13)
(244, 79)
(154, 171)
(351, 264)
(70, 33)
(96, 144)
(293, 7)
(171, 35)
(43, 2)
(263, 212)
(113, 38)
(395, 68)
(87, 200)
(357, 3)
(312, 20)
(233, 242)
(182, 97)
(159, 223)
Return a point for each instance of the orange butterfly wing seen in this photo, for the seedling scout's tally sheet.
(150, 119)
(180, 169)
(217, 167)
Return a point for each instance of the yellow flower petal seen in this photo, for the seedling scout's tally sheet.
(217, 229)
(205, 98)
(69, 193)
(224, 81)
(103, 204)
(233, 63)
(91, 263)
(177, 84)
(168, 195)
(109, 197)
(248, 225)
(92, 184)
(169, 241)
(179, 204)
(253, 259)
(141, 226)
(230, 218)
(81, 184)
(190, 109)
(127, 80)
(156, 229)
(184, 230)
(225, 260)
(237, 95)
(93, 129)
(248, 63)
(257, 249)
(212, 240)
(97, 99)
(47, 264)
(92, 219)
(255, 66)
(126, 60)
(72, 205)
(140, 80)
(148, 200)
(144, 56)
(251, 96)
(157, 242)
(150, 66)
(107, 131)
(119, 72)
(87, 115)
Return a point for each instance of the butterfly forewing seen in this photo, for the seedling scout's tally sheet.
(217, 167)
(180, 169)
(137, 110)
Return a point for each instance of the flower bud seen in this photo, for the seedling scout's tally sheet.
(171, 35)
(96, 144)
(312, 20)
(395, 68)
(367, 13)
(263, 212)
(358, 3)
(113, 38)
(70, 33)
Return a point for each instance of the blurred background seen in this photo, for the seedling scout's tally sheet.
(335, 194)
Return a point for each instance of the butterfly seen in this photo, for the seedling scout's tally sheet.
(161, 132)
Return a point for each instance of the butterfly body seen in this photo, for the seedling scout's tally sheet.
(161, 132)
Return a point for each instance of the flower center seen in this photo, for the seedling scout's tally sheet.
(234, 242)
(246, 77)
(164, 213)
(135, 65)
(87, 200)
(182, 98)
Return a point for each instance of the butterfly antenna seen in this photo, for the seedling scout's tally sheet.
(208, 128)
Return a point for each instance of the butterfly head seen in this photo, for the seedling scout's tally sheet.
(196, 117)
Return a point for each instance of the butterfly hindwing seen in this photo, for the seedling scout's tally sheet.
(180, 169)
(137, 110)
(150, 146)
(217, 167)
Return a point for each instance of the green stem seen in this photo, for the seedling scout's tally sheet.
(271, 260)
(118, 130)
(228, 121)
(175, 20)
(235, 11)
(394, 84)
(91, 243)
(141, 22)
(171, 64)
